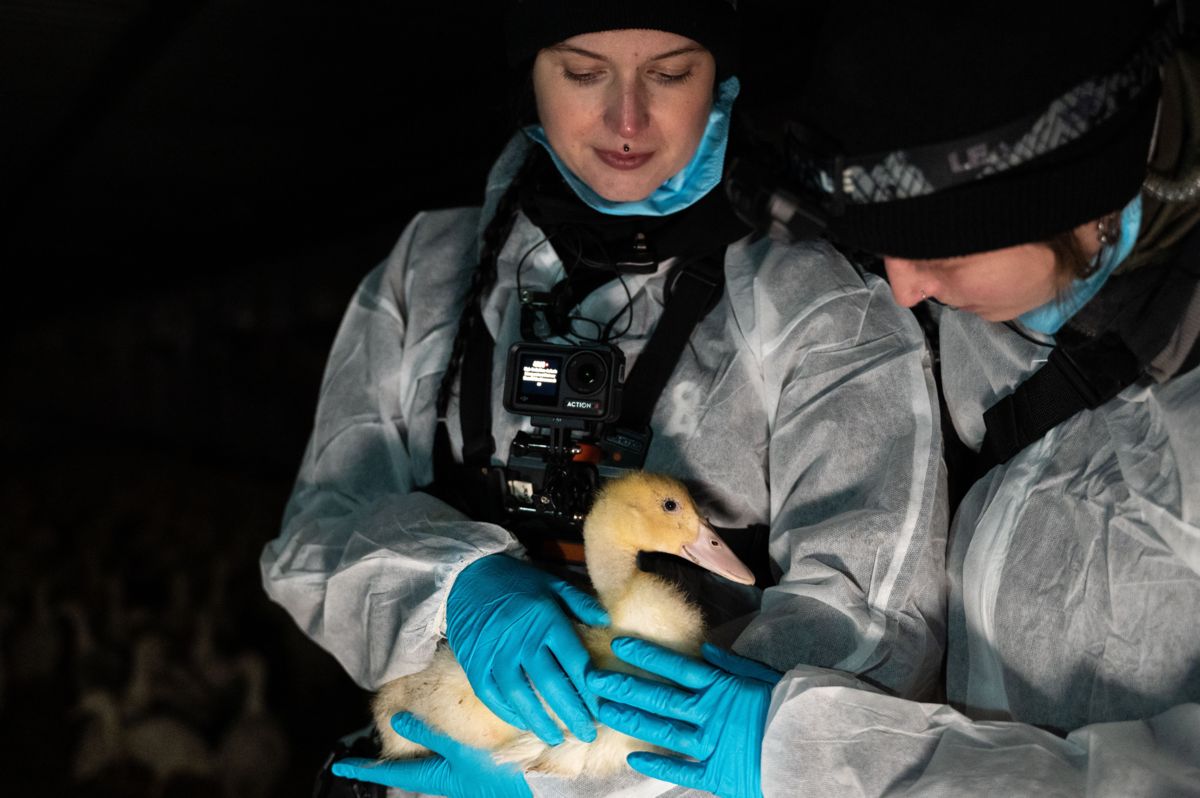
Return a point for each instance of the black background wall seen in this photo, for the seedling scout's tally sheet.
(189, 193)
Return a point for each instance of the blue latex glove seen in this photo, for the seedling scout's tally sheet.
(456, 770)
(507, 628)
(718, 719)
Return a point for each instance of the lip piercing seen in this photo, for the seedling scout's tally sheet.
(626, 148)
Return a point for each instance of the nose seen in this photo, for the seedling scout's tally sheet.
(908, 281)
(628, 111)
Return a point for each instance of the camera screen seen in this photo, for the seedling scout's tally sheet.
(539, 379)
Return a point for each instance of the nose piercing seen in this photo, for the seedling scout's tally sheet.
(626, 148)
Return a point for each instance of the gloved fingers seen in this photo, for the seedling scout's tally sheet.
(669, 768)
(573, 658)
(514, 686)
(546, 673)
(585, 607)
(412, 728)
(664, 732)
(739, 665)
(664, 662)
(427, 775)
(655, 697)
(493, 698)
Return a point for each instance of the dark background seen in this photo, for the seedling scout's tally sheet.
(189, 193)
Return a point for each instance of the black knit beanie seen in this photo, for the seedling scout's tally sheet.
(531, 25)
(892, 80)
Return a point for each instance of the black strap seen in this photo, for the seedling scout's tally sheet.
(1083, 372)
(475, 398)
(693, 291)
(472, 485)
(1075, 378)
(465, 485)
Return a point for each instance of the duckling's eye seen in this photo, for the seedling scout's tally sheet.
(670, 505)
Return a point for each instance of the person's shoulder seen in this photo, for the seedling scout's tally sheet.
(448, 234)
(444, 226)
(433, 254)
(811, 282)
(801, 271)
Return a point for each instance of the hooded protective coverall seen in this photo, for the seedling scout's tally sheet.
(1072, 649)
(804, 401)
(1075, 587)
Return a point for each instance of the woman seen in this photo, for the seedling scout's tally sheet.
(1005, 177)
(802, 401)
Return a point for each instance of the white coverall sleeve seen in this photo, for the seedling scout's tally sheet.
(859, 507)
(363, 563)
(829, 735)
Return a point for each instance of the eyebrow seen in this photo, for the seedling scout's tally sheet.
(568, 48)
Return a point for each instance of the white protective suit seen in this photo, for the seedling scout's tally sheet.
(1075, 593)
(804, 401)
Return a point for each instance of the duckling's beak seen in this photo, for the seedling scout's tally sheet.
(709, 551)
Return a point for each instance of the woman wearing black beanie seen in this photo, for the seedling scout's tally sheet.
(776, 380)
(1034, 175)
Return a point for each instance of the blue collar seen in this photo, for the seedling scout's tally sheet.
(699, 177)
(1050, 317)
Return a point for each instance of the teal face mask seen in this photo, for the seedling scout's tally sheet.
(699, 177)
(1050, 317)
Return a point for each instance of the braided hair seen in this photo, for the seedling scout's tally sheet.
(496, 233)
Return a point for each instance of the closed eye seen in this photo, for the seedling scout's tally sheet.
(673, 78)
(581, 77)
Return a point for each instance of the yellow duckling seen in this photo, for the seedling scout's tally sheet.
(638, 512)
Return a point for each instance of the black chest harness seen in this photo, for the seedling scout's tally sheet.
(1137, 317)
(697, 239)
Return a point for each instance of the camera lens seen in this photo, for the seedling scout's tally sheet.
(586, 373)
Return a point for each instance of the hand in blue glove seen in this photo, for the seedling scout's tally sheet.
(718, 719)
(507, 628)
(456, 770)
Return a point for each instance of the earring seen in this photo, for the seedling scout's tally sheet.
(1108, 229)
